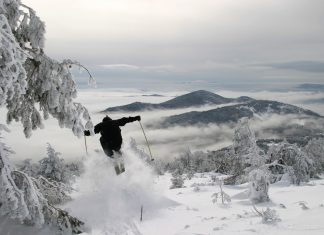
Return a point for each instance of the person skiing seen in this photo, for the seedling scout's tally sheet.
(111, 138)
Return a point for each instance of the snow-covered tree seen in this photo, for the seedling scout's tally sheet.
(315, 151)
(28, 77)
(189, 163)
(21, 199)
(245, 146)
(176, 180)
(29, 168)
(53, 167)
(159, 166)
(247, 156)
(290, 162)
(75, 169)
(259, 186)
(55, 192)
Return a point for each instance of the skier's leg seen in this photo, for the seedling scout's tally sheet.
(106, 148)
(119, 159)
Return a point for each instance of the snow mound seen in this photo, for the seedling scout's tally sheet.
(112, 204)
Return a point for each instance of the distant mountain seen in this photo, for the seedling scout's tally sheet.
(234, 112)
(193, 99)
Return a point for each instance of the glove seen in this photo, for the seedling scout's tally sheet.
(87, 133)
(138, 118)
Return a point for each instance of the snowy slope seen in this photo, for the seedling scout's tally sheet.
(111, 204)
(196, 213)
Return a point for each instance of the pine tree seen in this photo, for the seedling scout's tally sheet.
(288, 160)
(247, 156)
(315, 150)
(21, 199)
(28, 77)
(177, 180)
(29, 168)
(53, 167)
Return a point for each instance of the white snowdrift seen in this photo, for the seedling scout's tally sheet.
(111, 204)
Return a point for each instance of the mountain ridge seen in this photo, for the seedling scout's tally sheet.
(233, 113)
(192, 99)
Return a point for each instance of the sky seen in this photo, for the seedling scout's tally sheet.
(188, 43)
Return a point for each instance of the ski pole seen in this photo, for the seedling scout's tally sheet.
(85, 143)
(152, 159)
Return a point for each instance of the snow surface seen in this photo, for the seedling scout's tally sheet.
(110, 204)
(196, 214)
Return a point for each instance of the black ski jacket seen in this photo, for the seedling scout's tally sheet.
(110, 131)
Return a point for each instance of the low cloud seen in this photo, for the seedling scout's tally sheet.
(167, 142)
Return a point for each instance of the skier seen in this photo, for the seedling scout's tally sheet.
(111, 138)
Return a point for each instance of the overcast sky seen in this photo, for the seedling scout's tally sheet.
(200, 42)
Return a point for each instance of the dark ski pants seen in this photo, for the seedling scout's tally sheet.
(109, 151)
(107, 148)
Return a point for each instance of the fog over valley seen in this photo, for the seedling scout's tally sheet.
(166, 142)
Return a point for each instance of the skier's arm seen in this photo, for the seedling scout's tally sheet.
(123, 121)
(97, 129)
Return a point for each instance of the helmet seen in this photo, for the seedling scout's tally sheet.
(105, 119)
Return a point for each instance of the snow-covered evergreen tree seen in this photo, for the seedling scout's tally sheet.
(189, 166)
(315, 151)
(53, 167)
(245, 146)
(28, 77)
(159, 166)
(177, 180)
(247, 155)
(21, 199)
(29, 168)
(55, 192)
(290, 162)
(259, 185)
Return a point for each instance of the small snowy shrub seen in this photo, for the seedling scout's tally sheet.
(177, 180)
(269, 216)
(259, 186)
(224, 197)
(196, 188)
